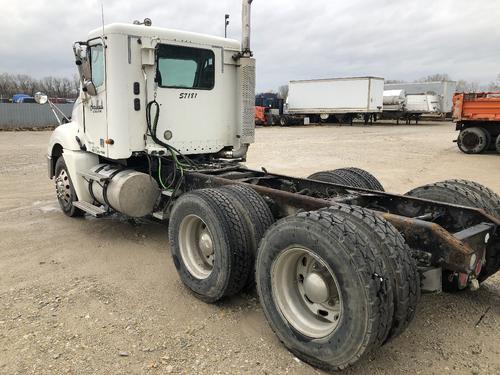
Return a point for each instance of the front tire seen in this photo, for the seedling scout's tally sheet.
(65, 191)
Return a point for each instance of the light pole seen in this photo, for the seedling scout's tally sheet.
(226, 23)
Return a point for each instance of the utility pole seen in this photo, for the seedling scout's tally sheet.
(226, 23)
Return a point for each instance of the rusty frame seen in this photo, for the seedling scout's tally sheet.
(452, 234)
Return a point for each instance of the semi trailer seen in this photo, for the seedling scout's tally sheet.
(335, 100)
(477, 117)
(161, 129)
(443, 89)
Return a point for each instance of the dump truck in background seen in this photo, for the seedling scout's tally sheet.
(334, 100)
(477, 117)
(443, 89)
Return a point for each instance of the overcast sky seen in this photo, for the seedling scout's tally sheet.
(292, 39)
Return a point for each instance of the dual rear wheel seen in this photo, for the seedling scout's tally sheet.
(334, 284)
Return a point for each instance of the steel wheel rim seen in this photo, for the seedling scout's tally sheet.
(196, 246)
(63, 187)
(471, 140)
(306, 292)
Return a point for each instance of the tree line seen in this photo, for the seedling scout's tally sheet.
(54, 87)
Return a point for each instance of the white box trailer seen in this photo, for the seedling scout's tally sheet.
(356, 95)
(443, 89)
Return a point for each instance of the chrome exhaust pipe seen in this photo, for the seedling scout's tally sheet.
(246, 28)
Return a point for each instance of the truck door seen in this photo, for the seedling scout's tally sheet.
(96, 129)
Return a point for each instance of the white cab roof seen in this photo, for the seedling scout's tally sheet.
(166, 34)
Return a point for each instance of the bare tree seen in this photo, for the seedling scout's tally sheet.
(11, 84)
(494, 85)
(467, 86)
(438, 77)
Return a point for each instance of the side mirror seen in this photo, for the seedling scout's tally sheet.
(41, 98)
(82, 60)
(89, 87)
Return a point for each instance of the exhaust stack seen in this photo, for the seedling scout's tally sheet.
(246, 28)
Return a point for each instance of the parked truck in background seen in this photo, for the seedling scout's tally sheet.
(162, 124)
(268, 108)
(22, 98)
(443, 89)
(477, 117)
(334, 100)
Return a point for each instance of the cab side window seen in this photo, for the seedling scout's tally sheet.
(97, 64)
(185, 67)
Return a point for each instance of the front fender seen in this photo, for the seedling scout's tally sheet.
(64, 136)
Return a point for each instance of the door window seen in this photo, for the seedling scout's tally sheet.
(97, 64)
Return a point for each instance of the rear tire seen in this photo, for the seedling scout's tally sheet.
(491, 204)
(497, 144)
(450, 192)
(472, 140)
(403, 270)
(351, 176)
(283, 121)
(257, 217)
(66, 194)
(340, 313)
(209, 244)
(490, 199)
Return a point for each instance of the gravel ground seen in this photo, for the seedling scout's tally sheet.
(88, 296)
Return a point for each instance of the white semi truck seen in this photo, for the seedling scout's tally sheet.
(335, 99)
(162, 124)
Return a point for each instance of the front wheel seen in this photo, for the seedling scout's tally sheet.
(284, 121)
(65, 191)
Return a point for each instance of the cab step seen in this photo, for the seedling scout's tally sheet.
(91, 209)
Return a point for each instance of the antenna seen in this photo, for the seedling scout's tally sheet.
(102, 17)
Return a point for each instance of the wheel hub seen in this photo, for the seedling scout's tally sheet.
(196, 246)
(316, 288)
(306, 292)
(205, 243)
(63, 189)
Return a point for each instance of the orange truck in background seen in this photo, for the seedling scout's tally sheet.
(477, 116)
(260, 115)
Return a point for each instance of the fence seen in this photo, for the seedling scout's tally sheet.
(29, 115)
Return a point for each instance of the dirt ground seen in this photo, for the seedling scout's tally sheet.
(88, 296)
